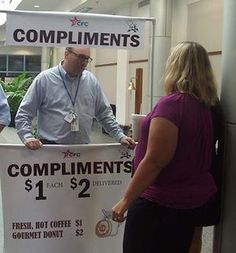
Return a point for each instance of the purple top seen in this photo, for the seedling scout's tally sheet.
(186, 181)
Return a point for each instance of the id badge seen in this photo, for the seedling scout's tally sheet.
(74, 125)
(69, 117)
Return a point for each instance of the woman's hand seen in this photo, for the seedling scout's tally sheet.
(119, 209)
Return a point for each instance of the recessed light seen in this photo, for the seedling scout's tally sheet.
(36, 6)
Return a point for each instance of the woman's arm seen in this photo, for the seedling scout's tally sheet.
(162, 141)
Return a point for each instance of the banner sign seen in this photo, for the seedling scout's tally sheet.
(59, 198)
(45, 29)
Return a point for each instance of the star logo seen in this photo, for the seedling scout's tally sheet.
(69, 154)
(74, 21)
(124, 153)
(132, 27)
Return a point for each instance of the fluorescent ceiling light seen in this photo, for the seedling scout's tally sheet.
(7, 5)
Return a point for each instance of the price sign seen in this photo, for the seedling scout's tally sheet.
(83, 184)
(39, 185)
(62, 195)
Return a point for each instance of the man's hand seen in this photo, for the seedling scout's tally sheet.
(1, 127)
(33, 143)
(128, 142)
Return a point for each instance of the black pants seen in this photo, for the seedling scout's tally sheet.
(151, 228)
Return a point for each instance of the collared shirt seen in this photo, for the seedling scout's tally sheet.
(51, 97)
(5, 117)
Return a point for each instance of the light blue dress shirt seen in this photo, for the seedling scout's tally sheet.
(5, 116)
(51, 96)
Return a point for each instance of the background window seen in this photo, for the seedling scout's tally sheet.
(13, 65)
(3, 62)
(32, 63)
(16, 63)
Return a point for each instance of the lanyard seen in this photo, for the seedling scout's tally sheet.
(76, 92)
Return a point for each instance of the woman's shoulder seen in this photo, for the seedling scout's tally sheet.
(174, 97)
(176, 102)
(181, 98)
(169, 107)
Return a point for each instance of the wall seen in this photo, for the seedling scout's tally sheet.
(107, 78)
(20, 50)
(205, 25)
(105, 71)
(140, 58)
(179, 21)
(106, 60)
(202, 22)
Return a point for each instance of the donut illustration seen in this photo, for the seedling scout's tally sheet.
(103, 228)
(106, 226)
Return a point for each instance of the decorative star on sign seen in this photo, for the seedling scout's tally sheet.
(67, 153)
(125, 153)
(132, 27)
(74, 21)
(70, 154)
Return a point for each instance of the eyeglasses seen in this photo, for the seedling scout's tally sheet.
(82, 57)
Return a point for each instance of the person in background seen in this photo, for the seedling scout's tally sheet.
(66, 99)
(5, 116)
(172, 179)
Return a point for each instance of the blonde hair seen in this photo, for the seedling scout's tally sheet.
(188, 69)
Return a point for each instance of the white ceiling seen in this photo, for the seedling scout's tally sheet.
(98, 6)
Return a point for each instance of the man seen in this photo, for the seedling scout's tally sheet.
(65, 100)
(5, 117)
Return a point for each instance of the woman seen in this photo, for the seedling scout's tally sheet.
(172, 178)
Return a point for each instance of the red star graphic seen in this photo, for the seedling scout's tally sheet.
(74, 21)
(67, 153)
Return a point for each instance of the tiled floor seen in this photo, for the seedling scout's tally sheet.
(9, 135)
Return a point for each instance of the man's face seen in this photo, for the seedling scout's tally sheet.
(78, 58)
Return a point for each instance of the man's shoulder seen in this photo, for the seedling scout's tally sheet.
(52, 70)
(87, 75)
(47, 72)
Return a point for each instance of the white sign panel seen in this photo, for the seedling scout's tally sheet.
(45, 29)
(59, 198)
